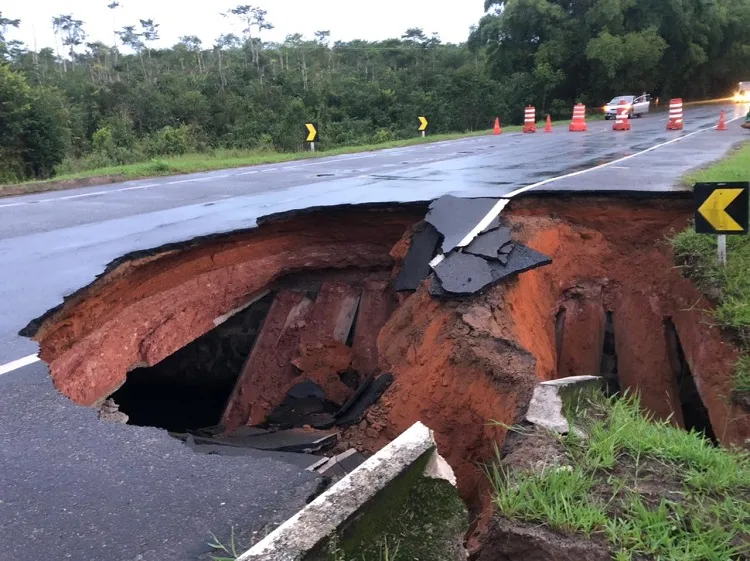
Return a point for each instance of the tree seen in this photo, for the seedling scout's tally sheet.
(5, 23)
(130, 38)
(71, 33)
(251, 16)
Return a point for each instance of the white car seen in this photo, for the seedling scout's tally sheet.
(637, 106)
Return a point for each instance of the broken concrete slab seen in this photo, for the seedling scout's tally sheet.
(354, 410)
(389, 481)
(340, 465)
(547, 405)
(461, 273)
(268, 369)
(488, 245)
(375, 307)
(416, 265)
(455, 217)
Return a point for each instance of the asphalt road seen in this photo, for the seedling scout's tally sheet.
(72, 487)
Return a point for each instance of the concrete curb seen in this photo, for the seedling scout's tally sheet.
(313, 526)
(546, 409)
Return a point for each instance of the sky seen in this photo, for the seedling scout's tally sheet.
(346, 19)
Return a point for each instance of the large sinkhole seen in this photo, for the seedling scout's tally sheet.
(297, 324)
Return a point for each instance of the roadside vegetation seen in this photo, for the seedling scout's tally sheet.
(728, 287)
(86, 105)
(646, 488)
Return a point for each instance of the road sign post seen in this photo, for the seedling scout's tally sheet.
(722, 249)
(423, 125)
(311, 135)
(722, 209)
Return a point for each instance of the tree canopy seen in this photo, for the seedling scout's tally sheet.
(88, 104)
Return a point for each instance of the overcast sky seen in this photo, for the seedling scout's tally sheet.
(346, 19)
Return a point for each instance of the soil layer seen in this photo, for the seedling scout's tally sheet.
(458, 366)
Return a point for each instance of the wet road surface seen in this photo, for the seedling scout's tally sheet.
(74, 487)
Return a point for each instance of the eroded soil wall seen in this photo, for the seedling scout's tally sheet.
(457, 365)
(146, 309)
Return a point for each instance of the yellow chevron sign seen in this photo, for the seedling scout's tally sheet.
(312, 132)
(422, 123)
(721, 208)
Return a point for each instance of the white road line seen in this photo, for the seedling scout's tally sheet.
(500, 205)
(16, 364)
(248, 172)
(136, 187)
(191, 180)
(13, 204)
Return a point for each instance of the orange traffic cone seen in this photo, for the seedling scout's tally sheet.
(578, 124)
(722, 126)
(497, 129)
(548, 126)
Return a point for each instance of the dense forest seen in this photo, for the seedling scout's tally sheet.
(90, 104)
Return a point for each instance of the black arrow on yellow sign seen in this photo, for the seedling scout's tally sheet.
(721, 208)
(311, 132)
(422, 123)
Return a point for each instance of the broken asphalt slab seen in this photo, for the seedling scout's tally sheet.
(455, 217)
(365, 396)
(489, 245)
(459, 272)
(416, 266)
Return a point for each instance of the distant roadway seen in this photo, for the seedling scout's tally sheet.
(72, 487)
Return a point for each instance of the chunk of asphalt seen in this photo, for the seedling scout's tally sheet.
(462, 273)
(297, 413)
(506, 249)
(416, 264)
(305, 389)
(303, 461)
(455, 217)
(361, 389)
(367, 398)
(488, 245)
(292, 440)
(521, 259)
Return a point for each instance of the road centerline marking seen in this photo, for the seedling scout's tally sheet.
(502, 202)
(19, 363)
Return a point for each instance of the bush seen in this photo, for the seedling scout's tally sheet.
(171, 141)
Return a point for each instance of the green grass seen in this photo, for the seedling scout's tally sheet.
(735, 167)
(226, 159)
(728, 287)
(703, 509)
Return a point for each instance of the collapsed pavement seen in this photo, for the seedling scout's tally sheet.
(346, 336)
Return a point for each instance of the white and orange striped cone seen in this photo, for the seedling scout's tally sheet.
(675, 121)
(529, 119)
(578, 124)
(622, 122)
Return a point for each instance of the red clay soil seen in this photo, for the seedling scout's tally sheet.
(456, 365)
(148, 308)
(459, 365)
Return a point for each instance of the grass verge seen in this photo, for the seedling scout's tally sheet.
(728, 287)
(735, 167)
(225, 159)
(645, 488)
